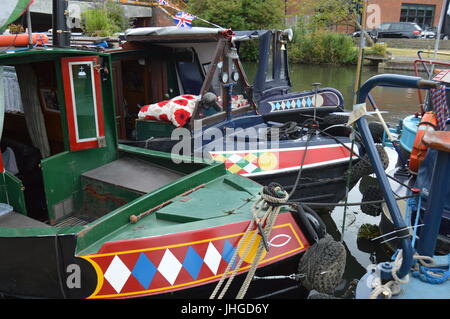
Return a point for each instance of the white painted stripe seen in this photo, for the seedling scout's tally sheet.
(279, 150)
(295, 168)
(91, 64)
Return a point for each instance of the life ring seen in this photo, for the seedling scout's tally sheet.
(419, 150)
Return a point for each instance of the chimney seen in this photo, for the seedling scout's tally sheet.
(61, 33)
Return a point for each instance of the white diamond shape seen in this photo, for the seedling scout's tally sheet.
(169, 266)
(117, 274)
(250, 167)
(212, 258)
(234, 158)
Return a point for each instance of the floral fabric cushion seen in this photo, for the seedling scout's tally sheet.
(177, 111)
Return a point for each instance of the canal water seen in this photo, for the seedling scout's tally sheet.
(344, 224)
(398, 103)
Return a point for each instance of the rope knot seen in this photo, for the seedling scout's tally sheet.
(274, 195)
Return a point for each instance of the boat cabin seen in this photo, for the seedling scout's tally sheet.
(163, 63)
(61, 158)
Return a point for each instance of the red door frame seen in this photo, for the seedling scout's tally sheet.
(75, 144)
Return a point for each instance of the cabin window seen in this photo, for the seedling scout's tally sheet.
(13, 100)
(190, 76)
(83, 102)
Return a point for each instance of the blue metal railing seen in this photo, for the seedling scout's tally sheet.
(401, 81)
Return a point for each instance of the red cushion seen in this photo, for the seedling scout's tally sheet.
(178, 110)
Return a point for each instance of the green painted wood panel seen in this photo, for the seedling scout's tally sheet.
(12, 192)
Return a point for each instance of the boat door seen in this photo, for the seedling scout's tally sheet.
(83, 97)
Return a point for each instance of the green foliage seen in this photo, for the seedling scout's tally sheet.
(378, 49)
(239, 14)
(329, 13)
(322, 47)
(104, 19)
(368, 231)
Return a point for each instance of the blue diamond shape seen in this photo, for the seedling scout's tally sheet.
(192, 262)
(144, 271)
(309, 102)
(288, 105)
(278, 106)
(227, 252)
(299, 104)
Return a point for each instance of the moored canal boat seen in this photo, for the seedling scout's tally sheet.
(226, 118)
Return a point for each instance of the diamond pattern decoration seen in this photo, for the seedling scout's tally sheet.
(212, 258)
(243, 163)
(169, 267)
(117, 274)
(144, 271)
(193, 262)
(154, 269)
(296, 103)
(227, 253)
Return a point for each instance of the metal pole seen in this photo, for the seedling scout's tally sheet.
(439, 30)
(399, 81)
(30, 31)
(361, 53)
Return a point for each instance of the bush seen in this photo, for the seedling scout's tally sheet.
(322, 47)
(377, 49)
(104, 19)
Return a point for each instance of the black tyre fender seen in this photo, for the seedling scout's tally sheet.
(323, 265)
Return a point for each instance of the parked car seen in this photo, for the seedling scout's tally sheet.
(429, 33)
(409, 30)
(372, 34)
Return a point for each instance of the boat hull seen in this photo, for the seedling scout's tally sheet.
(177, 265)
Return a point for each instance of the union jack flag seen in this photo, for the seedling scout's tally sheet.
(183, 19)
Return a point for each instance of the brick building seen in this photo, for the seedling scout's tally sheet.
(425, 13)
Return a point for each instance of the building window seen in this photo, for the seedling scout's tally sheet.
(421, 14)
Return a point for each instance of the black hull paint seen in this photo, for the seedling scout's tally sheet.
(42, 272)
(325, 184)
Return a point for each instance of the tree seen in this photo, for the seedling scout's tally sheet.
(104, 19)
(330, 13)
(240, 14)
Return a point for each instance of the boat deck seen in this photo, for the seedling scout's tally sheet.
(133, 174)
(16, 220)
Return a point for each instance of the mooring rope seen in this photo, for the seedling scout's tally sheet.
(265, 211)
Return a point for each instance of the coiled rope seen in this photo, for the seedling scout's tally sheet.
(265, 211)
(393, 287)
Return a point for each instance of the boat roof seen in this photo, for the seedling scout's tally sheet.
(194, 34)
(174, 34)
(40, 54)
